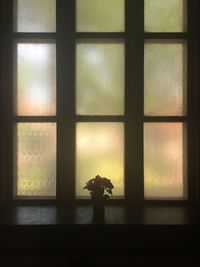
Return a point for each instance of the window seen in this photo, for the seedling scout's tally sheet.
(104, 87)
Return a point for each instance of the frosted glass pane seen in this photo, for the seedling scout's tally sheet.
(100, 78)
(100, 15)
(164, 160)
(165, 78)
(36, 79)
(165, 16)
(35, 15)
(100, 150)
(36, 159)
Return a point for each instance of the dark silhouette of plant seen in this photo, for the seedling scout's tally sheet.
(100, 188)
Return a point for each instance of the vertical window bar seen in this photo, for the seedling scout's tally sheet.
(134, 100)
(6, 182)
(193, 99)
(65, 100)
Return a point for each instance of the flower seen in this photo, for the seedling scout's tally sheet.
(97, 187)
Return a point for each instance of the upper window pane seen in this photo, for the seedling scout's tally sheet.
(165, 16)
(100, 15)
(36, 79)
(165, 78)
(35, 16)
(100, 77)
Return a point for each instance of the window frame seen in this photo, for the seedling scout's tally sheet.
(66, 117)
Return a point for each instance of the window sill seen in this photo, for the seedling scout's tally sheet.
(53, 230)
(120, 214)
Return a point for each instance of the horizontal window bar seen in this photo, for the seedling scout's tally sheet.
(99, 35)
(74, 118)
(21, 35)
(167, 35)
(35, 118)
(27, 35)
(100, 118)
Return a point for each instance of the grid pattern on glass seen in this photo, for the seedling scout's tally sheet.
(100, 15)
(164, 161)
(100, 150)
(165, 78)
(35, 15)
(165, 16)
(100, 77)
(36, 79)
(35, 163)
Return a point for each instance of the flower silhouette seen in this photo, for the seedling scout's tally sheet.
(100, 188)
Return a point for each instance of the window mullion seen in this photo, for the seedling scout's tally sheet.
(65, 100)
(6, 182)
(193, 99)
(134, 100)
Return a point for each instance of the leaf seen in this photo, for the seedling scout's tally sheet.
(109, 190)
(106, 196)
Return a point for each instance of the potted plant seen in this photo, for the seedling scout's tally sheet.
(100, 189)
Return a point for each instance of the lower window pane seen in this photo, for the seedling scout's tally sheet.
(165, 161)
(100, 150)
(35, 163)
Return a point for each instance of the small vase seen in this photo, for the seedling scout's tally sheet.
(98, 211)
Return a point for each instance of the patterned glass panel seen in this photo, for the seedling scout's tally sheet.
(165, 78)
(100, 15)
(164, 161)
(100, 78)
(35, 15)
(165, 16)
(100, 150)
(36, 79)
(36, 159)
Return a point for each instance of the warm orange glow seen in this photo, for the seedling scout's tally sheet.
(100, 150)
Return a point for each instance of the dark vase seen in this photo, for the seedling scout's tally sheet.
(98, 205)
(98, 211)
(98, 202)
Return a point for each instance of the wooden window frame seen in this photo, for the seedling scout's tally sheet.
(66, 118)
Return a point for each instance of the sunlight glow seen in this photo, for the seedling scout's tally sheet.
(36, 79)
(164, 161)
(100, 150)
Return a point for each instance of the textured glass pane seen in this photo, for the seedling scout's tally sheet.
(164, 160)
(36, 159)
(100, 15)
(165, 78)
(35, 15)
(100, 78)
(36, 79)
(100, 150)
(165, 16)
